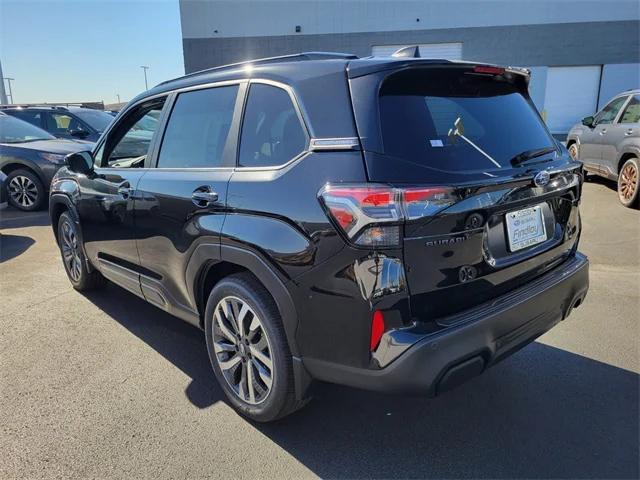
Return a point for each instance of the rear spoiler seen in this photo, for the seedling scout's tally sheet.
(410, 57)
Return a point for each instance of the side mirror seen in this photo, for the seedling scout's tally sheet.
(79, 162)
(79, 133)
(588, 121)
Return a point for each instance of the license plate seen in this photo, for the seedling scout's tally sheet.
(525, 228)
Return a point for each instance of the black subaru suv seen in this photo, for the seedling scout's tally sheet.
(395, 224)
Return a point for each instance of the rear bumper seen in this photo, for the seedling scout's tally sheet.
(422, 363)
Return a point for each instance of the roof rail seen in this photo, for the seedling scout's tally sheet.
(296, 57)
(59, 106)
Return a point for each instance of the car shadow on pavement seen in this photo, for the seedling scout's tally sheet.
(12, 246)
(177, 341)
(13, 218)
(542, 413)
(597, 179)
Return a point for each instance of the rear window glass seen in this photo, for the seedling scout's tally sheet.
(421, 109)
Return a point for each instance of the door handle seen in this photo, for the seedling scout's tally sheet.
(603, 131)
(629, 132)
(204, 197)
(125, 190)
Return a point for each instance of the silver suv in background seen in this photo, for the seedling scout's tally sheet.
(608, 144)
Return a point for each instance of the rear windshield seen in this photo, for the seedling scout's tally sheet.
(448, 120)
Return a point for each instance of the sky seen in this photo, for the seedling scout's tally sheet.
(88, 50)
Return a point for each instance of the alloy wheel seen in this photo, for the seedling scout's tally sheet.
(23, 191)
(573, 151)
(70, 251)
(628, 182)
(242, 350)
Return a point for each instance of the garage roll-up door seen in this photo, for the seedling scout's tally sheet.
(450, 51)
(571, 94)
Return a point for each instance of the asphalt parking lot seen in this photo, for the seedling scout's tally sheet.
(104, 385)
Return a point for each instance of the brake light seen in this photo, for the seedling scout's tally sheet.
(377, 329)
(371, 215)
(489, 70)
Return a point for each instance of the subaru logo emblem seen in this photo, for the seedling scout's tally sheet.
(541, 178)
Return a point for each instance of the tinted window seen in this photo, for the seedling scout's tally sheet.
(418, 108)
(14, 130)
(609, 113)
(34, 118)
(97, 119)
(631, 113)
(62, 124)
(128, 143)
(271, 131)
(198, 128)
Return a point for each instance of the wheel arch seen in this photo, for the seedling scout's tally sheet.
(58, 204)
(624, 157)
(19, 164)
(210, 263)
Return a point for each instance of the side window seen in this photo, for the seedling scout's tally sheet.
(62, 124)
(271, 130)
(608, 113)
(631, 113)
(128, 143)
(34, 118)
(198, 128)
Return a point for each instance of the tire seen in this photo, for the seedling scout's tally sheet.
(629, 183)
(73, 258)
(256, 351)
(25, 190)
(573, 151)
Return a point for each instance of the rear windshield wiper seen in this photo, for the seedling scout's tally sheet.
(529, 154)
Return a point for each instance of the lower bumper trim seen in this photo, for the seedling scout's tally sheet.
(428, 363)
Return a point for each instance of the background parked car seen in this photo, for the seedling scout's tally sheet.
(3, 191)
(608, 144)
(30, 157)
(74, 123)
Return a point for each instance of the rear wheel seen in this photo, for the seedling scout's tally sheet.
(248, 349)
(73, 257)
(629, 183)
(25, 190)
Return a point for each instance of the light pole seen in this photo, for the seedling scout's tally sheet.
(9, 80)
(118, 95)
(145, 68)
(3, 95)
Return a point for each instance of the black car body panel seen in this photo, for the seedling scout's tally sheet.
(169, 233)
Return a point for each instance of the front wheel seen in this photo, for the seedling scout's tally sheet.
(73, 257)
(248, 349)
(629, 183)
(25, 190)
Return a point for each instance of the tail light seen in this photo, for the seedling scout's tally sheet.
(372, 215)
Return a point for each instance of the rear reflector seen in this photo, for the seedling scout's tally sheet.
(377, 329)
(371, 215)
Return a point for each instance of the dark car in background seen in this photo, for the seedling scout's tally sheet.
(30, 157)
(608, 143)
(3, 190)
(394, 224)
(73, 123)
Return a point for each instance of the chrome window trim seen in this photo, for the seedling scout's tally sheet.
(336, 143)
